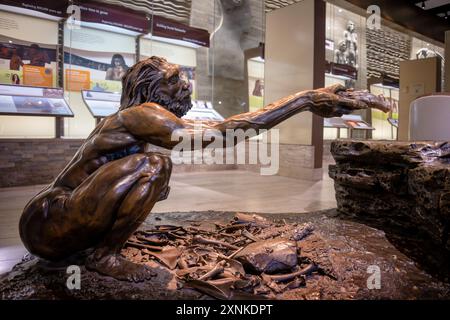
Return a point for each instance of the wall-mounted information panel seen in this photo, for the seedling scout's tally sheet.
(101, 104)
(33, 101)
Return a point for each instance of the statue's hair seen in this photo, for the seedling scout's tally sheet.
(141, 81)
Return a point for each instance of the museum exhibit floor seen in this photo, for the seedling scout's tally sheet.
(230, 190)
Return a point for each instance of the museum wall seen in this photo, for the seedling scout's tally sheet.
(290, 64)
(26, 162)
(34, 161)
(385, 49)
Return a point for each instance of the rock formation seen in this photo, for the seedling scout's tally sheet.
(399, 185)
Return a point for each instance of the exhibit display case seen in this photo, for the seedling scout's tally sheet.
(33, 101)
(374, 64)
(386, 124)
(28, 57)
(95, 59)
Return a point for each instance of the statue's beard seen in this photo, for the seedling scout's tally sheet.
(178, 106)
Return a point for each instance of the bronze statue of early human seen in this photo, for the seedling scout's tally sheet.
(111, 184)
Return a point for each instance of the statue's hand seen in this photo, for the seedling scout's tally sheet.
(335, 101)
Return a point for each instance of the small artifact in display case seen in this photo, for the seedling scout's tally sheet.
(356, 122)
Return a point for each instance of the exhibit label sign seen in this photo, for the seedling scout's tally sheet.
(90, 12)
(114, 16)
(51, 7)
(163, 27)
(77, 80)
(118, 16)
(37, 76)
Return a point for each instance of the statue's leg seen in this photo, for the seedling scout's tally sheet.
(150, 186)
(102, 212)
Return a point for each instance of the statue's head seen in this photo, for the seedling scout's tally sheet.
(342, 46)
(156, 80)
(351, 26)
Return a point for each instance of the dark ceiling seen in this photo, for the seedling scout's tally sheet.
(425, 17)
(440, 8)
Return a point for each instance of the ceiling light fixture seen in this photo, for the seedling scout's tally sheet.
(423, 5)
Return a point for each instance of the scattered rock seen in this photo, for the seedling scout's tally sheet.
(302, 231)
(269, 256)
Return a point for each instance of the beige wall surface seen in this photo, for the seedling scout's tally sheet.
(181, 55)
(289, 66)
(447, 65)
(28, 28)
(417, 78)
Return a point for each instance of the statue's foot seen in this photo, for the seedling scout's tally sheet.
(116, 266)
(164, 194)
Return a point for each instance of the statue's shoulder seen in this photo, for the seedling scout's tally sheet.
(148, 111)
(143, 106)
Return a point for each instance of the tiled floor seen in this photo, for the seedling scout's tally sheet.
(219, 190)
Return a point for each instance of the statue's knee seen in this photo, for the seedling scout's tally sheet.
(162, 162)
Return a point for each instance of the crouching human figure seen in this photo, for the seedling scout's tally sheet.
(111, 185)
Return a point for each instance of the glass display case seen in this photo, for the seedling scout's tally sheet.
(95, 59)
(28, 57)
(86, 50)
(33, 101)
(386, 124)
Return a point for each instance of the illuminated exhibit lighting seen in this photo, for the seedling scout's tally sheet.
(423, 5)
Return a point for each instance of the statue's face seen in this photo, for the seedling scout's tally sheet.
(351, 26)
(117, 62)
(174, 92)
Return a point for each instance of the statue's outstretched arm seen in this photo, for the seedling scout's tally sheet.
(156, 125)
